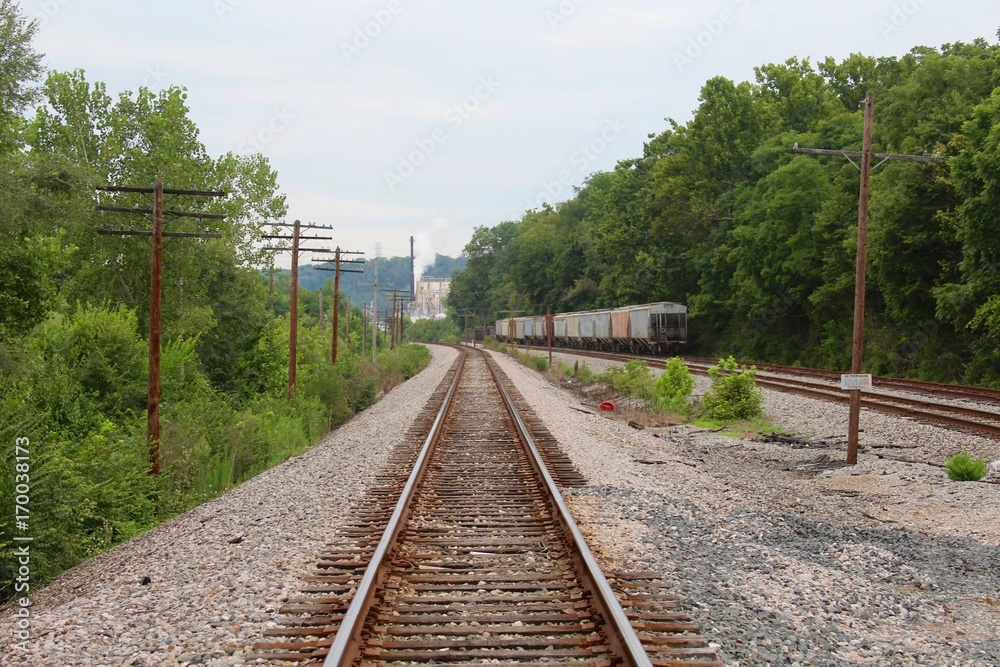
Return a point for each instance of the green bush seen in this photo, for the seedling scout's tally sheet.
(734, 395)
(961, 468)
(674, 386)
(633, 379)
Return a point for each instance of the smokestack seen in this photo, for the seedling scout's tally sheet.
(413, 278)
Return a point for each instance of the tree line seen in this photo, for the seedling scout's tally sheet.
(74, 313)
(760, 243)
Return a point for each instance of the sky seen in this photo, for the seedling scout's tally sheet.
(394, 118)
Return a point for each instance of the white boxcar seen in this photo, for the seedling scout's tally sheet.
(518, 328)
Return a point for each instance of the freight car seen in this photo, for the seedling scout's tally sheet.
(652, 328)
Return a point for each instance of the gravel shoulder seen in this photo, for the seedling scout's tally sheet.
(784, 563)
(218, 573)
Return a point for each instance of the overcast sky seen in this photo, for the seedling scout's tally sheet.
(396, 118)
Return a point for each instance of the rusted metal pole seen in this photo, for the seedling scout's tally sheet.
(155, 289)
(336, 307)
(854, 416)
(293, 333)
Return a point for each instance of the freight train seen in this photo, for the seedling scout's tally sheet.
(652, 328)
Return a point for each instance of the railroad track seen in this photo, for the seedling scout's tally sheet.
(953, 391)
(963, 418)
(464, 553)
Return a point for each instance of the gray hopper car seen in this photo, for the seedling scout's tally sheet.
(652, 328)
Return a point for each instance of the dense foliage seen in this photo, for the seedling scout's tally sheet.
(74, 308)
(760, 242)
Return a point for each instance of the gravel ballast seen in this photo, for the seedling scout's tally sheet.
(783, 563)
(217, 574)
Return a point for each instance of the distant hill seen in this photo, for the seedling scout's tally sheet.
(391, 270)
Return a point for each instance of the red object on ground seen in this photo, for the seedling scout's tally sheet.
(606, 406)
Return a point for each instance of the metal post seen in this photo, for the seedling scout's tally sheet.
(859, 282)
(294, 323)
(156, 285)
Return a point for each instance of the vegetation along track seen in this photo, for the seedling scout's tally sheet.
(463, 552)
(963, 418)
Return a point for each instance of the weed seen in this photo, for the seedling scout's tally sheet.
(961, 468)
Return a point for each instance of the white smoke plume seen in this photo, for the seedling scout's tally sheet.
(423, 247)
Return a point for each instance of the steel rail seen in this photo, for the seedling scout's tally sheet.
(885, 403)
(346, 642)
(622, 635)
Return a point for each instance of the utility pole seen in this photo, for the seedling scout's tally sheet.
(293, 313)
(156, 286)
(855, 381)
(375, 285)
(398, 297)
(336, 292)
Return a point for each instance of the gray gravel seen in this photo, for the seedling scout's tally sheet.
(884, 563)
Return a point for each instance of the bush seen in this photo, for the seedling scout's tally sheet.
(961, 468)
(674, 386)
(632, 379)
(734, 395)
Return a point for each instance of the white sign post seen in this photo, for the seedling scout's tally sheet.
(855, 381)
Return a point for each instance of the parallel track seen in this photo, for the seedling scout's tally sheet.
(479, 560)
(963, 418)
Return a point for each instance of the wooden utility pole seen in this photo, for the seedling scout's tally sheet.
(156, 287)
(293, 310)
(855, 382)
(338, 262)
(155, 301)
(396, 326)
(374, 319)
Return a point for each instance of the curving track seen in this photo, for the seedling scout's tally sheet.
(467, 554)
